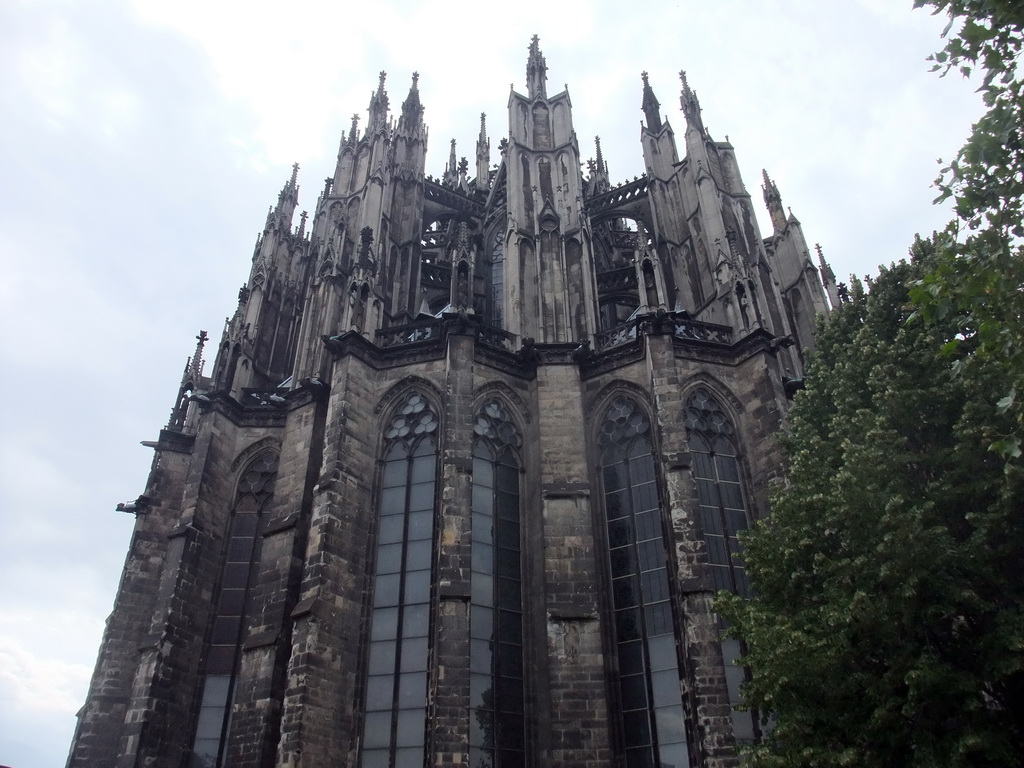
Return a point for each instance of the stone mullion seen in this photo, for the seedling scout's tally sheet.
(450, 716)
(319, 719)
(255, 724)
(705, 686)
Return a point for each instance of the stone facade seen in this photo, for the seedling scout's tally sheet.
(576, 386)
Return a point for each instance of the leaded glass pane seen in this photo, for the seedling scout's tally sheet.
(380, 692)
(496, 686)
(421, 525)
(638, 557)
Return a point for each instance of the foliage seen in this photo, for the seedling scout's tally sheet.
(887, 627)
(981, 274)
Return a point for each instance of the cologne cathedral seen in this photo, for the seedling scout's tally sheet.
(470, 464)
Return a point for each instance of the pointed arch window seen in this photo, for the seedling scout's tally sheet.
(394, 727)
(233, 609)
(652, 720)
(497, 279)
(716, 469)
(496, 728)
(723, 514)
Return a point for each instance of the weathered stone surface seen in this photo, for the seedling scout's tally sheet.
(533, 287)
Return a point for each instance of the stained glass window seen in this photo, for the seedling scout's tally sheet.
(394, 726)
(723, 515)
(496, 727)
(233, 606)
(652, 719)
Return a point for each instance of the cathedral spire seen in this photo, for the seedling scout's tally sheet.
(828, 278)
(651, 107)
(353, 134)
(691, 106)
(378, 105)
(536, 72)
(483, 155)
(412, 109)
(598, 171)
(773, 201)
(287, 199)
(451, 170)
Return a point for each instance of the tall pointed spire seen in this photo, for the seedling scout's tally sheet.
(773, 201)
(483, 155)
(536, 72)
(651, 107)
(353, 134)
(451, 170)
(599, 170)
(691, 106)
(378, 105)
(287, 199)
(412, 109)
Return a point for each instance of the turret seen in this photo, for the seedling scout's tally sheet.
(548, 284)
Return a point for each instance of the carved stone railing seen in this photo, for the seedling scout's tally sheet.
(614, 337)
(623, 194)
(451, 198)
(686, 328)
(496, 337)
(425, 330)
(680, 325)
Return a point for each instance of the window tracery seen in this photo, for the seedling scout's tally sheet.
(652, 721)
(497, 706)
(723, 515)
(394, 728)
(233, 608)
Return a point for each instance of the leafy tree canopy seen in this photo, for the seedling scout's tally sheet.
(980, 275)
(887, 627)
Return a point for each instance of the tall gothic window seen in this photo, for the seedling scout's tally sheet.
(723, 515)
(394, 729)
(233, 608)
(496, 728)
(498, 279)
(652, 720)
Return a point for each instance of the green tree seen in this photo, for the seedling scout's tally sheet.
(980, 275)
(887, 628)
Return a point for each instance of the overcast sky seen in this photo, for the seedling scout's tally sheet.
(141, 143)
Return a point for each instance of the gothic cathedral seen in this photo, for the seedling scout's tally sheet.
(470, 465)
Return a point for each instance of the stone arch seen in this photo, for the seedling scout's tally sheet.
(502, 391)
(389, 400)
(253, 450)
(598, 403)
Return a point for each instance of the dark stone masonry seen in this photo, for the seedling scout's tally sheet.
(469, 466)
